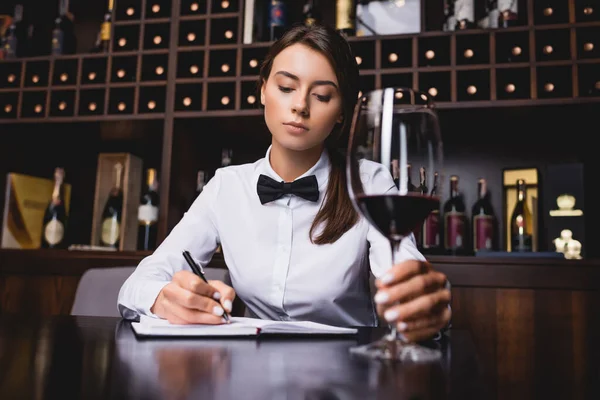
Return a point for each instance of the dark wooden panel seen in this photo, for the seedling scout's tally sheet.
(533, 344)
(37, 295)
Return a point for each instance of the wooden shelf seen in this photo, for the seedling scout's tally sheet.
(453, 72)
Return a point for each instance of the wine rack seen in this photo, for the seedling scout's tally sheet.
(186, 60)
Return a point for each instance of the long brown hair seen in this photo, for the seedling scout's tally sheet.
(337, 212)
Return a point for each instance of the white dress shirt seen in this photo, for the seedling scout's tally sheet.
(274, 267)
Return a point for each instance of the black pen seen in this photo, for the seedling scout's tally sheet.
(200, 272)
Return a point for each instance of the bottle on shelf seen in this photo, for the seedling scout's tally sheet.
(464, 11)
(278, 11)
(430, 232)
(484, 220)
(449, 15)
(508, 13)
(409, 184)
(345, 17)
(104, 36)
(521, 221)
(422, 189)
(396, 173)
(491, 14)
(226, 155)
(113, 210)
(14, 40)
(54, 225)
(455, 220)
(311, 13)
(63, 34)
(148, 212)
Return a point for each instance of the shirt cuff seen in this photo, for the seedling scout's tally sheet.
(147, 296)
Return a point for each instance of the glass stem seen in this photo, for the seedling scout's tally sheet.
(395, 246)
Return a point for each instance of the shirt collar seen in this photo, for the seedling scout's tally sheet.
(320, 170)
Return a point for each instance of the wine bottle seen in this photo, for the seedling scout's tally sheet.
(396, 173)
(521, 221)
(63, 34)
(14, 43)
(508, 13)
(311, 12)
(465, 14)
(105, 29)
(345, 17)
(449, 15)
(226, 155)
(455, 220)
(148, 212)
(200, 182)
(409, 185)
(55, 218)
(484, 220)
(277, 18)
(493, 15)
(431, 226)
(423, 182)
(113, 209)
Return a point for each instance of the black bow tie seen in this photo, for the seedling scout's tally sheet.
(269, 189)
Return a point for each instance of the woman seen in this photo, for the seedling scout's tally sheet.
(303, 253)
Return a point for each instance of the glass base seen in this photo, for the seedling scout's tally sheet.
(389, 348)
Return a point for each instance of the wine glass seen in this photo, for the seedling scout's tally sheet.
(397, 128)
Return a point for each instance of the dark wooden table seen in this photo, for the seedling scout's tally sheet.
(64, 357)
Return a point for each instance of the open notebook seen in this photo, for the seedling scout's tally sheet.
(239, 326)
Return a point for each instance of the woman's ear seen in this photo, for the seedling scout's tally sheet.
(340, 119)
(262, 92)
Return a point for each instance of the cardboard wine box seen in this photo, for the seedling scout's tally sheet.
(131, 184)
(26, 199)
(509, 180)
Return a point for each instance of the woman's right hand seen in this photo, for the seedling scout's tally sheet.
(187, 299)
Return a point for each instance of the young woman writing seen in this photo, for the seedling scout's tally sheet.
(294, 245)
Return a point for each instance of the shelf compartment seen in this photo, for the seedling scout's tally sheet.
(554, 82)
(188, 97)
(224, 31)
(152, 99)
(190, 64)
(154, 67)
(552, 45)
(513, 83)
(93, 70)
(221, 96)
(250, 98)
(124, 69)
(472, 49)
(512, 47)
(9, 102)
(397, 80)
(588, 42)
(126, 38)
(192, 33)
(589, 80)
(36, 73)
(34, 104)
(437, 84)
(91, 102)
(222, 63)
(10, 74)
(62, 103)
(434, 51)
(252, 59)
(396, 53)
(156, 36)
(65, 72)
(193, 7)
(121, 100)
(128, 10)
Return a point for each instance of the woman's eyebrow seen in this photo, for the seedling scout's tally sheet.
(315, 83)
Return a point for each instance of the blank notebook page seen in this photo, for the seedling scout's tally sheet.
(239, 326)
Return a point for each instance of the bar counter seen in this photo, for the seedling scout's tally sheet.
(534, 322)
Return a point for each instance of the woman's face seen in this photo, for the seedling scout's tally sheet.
(301, 97)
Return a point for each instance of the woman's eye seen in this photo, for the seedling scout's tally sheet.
(285, 89)
(324, 99)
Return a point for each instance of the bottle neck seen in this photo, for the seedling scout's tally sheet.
(453, 188)
(56, 197)
(152, 181)
(482, 189)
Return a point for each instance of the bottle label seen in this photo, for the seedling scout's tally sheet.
(454, 237)
(431, 230)
(54, 232)
(464, 11)
(147, 214)
(57, 41)
(343, 15)
(105, 31)
(110, 231)
(277, 13)
(483, 231)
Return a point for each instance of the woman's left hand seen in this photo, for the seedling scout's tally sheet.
(415, 298)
